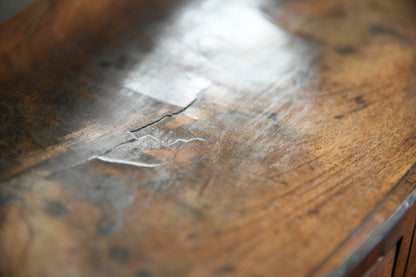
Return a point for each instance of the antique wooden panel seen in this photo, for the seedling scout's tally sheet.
(204, 138)
(384, 266)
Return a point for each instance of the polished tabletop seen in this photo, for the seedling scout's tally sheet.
(203, 138)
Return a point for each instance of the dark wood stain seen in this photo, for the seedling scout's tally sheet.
(346, 50)
(56, 208)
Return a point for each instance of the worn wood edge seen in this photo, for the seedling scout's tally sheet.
(369, 232)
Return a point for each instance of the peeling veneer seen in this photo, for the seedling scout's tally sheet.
(134, 151)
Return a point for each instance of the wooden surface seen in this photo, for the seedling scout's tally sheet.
(203, 138)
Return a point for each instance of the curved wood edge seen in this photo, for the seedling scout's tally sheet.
(372, 230)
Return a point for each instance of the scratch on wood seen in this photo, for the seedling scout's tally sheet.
(164, 117)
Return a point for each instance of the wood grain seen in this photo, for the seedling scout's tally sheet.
(204, 138)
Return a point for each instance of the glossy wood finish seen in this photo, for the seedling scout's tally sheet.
(204, 138)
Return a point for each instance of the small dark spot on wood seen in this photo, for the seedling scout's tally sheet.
(359, 100)
(56, 208)
(119, 254)
(339, 116)
(225, 269)
(272, 115)
(380, 30)
(143, 273)
(313, 212)
(345, 50)
(280, 181)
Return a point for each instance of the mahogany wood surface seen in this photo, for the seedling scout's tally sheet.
(204, 138)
